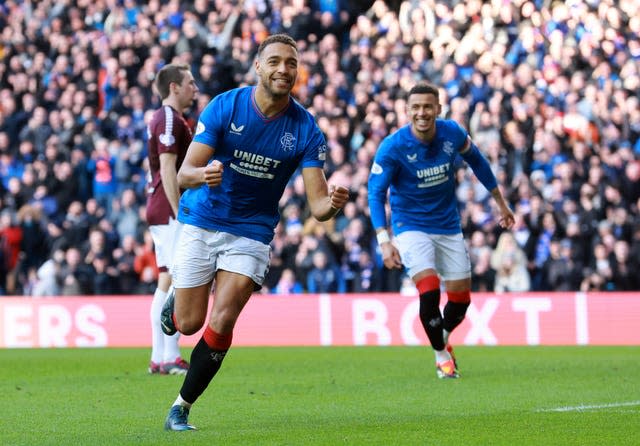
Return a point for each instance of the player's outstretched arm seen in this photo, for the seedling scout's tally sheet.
(196, 169)
(324, 201)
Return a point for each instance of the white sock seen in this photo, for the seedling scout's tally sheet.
(180, 402)
(171, 347)
(442, 356)
(157, 335)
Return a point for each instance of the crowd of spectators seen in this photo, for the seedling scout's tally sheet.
(550, 91)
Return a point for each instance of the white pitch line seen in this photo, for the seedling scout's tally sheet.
(590, 407)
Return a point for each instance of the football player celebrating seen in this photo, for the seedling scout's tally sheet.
(417, 164)
(249, 142)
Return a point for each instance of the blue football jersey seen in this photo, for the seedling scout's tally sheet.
(420, 178)
(259, 155)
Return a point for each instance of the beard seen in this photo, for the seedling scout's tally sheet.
(274, 92)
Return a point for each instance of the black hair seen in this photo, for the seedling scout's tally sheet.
(424, 88)
(277, 38)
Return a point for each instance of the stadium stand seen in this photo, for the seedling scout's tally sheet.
(549, 90)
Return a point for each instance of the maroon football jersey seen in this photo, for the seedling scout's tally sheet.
(168, 132)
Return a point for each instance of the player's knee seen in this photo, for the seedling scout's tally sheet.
(188, 325)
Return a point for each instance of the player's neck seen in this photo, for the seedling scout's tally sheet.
(173, 103)
(425, 136)
(268, 104)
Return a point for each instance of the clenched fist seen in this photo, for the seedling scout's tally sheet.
(212, 173)
(339, 195)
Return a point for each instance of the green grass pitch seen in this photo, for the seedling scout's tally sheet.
(328, 396)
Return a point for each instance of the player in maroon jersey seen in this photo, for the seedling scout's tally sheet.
(168, 135)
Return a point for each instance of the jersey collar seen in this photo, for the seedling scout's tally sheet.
(260, 114)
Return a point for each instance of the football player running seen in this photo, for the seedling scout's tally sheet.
(416, 165)
(249, 142)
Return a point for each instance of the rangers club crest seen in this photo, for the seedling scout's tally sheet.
(287, 141)
(448, 148)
